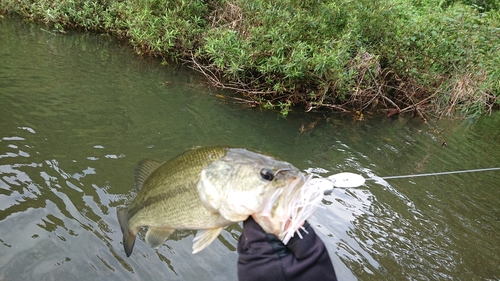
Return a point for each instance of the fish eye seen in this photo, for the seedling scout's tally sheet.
(267, 174)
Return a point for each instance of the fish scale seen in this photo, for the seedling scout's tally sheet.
(152, 202)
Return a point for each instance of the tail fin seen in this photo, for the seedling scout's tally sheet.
(128, 234)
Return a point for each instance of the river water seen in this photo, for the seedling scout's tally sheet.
(77, 112)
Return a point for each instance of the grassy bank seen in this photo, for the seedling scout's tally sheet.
(426, 57)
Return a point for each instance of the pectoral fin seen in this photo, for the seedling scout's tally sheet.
(156, 236)
(204, 238)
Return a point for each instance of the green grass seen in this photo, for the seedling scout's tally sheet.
(426, 57)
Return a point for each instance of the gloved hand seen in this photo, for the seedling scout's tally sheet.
(262, 256)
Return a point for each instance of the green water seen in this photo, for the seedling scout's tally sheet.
(77, 111)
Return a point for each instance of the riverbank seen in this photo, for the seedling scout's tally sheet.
(430, 58)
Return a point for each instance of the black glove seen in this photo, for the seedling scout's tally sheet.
(262, 256)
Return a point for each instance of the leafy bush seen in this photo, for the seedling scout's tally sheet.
(422, 56)
(449, 50)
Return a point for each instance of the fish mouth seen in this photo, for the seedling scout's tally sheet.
(287, 208)
(301, 202)
(294, 179)
(269, 205)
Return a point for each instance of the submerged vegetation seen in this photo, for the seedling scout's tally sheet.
(425, 57)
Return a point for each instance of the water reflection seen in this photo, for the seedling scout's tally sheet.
(78, 112)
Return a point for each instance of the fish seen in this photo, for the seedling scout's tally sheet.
(209, 188)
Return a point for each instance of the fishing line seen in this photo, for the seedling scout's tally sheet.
(348, 180)
(438, 173)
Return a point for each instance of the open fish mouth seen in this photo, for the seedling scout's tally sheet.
(289, 207)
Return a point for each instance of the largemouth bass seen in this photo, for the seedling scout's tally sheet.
(207, 189)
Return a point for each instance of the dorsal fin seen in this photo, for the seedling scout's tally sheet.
(143, 170)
